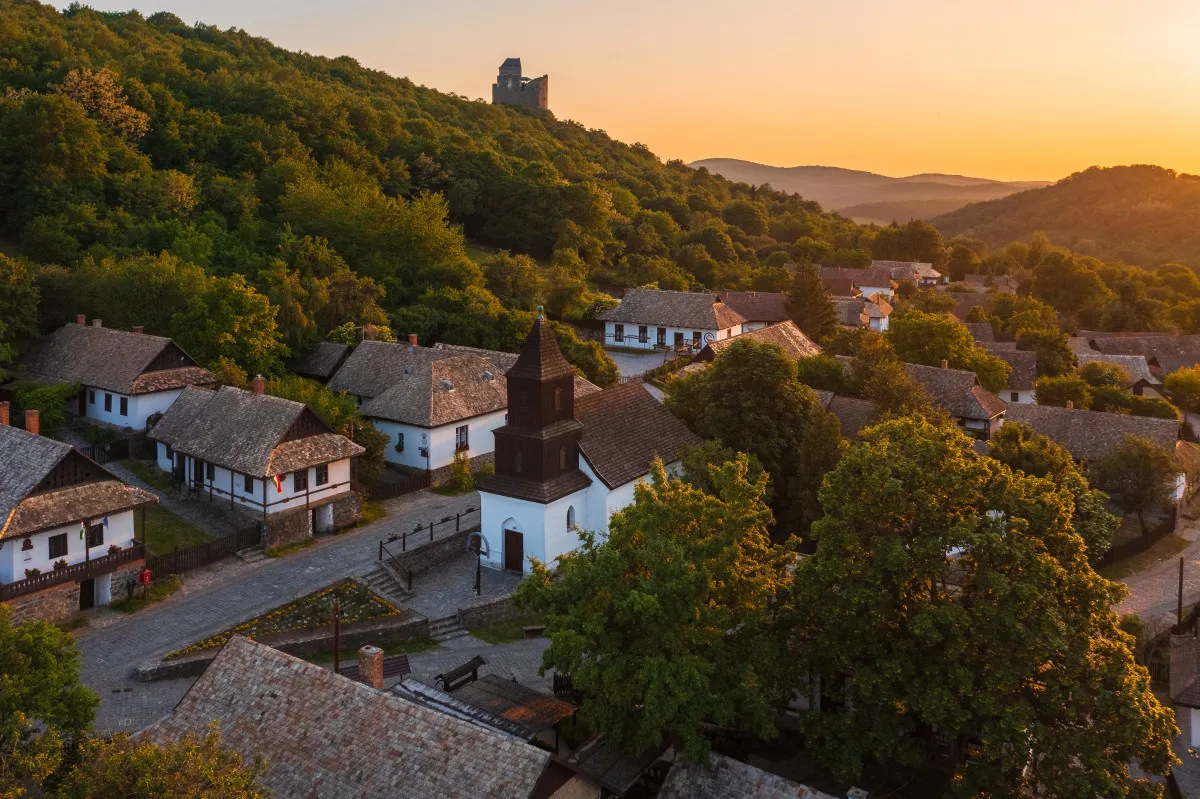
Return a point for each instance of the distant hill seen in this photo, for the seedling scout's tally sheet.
(1143, 215)
(842, 189)
(901, 211)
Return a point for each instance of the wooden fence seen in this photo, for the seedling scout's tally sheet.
(107, 453)
(1139, 544)
(180, 560)
(390, 489)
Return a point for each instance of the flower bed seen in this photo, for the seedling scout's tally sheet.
(359, 603)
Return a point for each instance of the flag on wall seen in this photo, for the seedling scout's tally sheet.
(106, 520)
(82, 528)
(278, 484)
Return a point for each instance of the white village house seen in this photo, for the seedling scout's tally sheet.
(268, 455)
(57, 506)
(649, 319)
(565, 464)
(125, 377)
(871, 312)
(432, 402)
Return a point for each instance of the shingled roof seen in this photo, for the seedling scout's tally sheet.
(784, 335)
(325, 736)
(841, 287)
(322, 361)
(1135, 365)
(851, 311)
(375, 366)
(114, 360)
(757, 306)
(243, 431)
(1024, 366)
(958, 391)
(964, 301)
(684, 309)
(513, 701)
(27, 460)
(881, 278)
(442, 392)
(982, 332)
(1149, 345)
(1092, 434)
(853, 414)
(624, 429)
(908, 270)
(726, 778)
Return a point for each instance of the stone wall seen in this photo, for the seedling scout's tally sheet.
(287, 527)
(424, 556)
(57, 603)
(491, 612)
(442, 474)
(347, 510)
(127, 572)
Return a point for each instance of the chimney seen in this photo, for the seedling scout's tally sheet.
(260, 385)
(945, 364)
(139, 329)
(370, 666)
(4, 413)
(97, 323)
(412, 339)
(32, 423)
(81, 319)
(1070, 404)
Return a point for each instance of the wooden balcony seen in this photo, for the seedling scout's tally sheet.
(77, 572)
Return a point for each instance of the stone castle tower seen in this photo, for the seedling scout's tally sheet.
(513, 89)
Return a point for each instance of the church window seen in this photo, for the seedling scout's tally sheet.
(571, 517)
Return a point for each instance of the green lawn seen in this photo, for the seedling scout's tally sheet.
(506, 631)
(148, 473)
(165, 531)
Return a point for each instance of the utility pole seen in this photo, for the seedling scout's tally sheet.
(1179, 605)
(337, 634)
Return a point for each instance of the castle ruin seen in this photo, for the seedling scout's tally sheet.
(513, 89)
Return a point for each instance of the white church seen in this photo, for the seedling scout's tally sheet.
(564, 463)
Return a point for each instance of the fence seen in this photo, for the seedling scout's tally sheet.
(424, 533)
(390, 489)
(1139, 544)
(633, 379)
(107, 453)
(74, 573)
(180, 560)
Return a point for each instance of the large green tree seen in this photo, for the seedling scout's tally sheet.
(810, 306)
(929, 339)
(667, 625)
(229, 319)
(1139, 474)
(950, 600)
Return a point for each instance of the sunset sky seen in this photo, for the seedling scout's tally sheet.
(1027, 89)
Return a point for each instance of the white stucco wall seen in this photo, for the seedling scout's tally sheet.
(439, 440)
(14, 561)
(287, 499)
(867, 291)
(1022, 397)
(631, 336)
(140, 407)
(879, 323)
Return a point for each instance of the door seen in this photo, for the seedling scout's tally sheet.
(678, 340)
(514, 551)
(87, 594)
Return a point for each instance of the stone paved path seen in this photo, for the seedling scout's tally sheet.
(214, 601)
(1153, 589)
(442, 591)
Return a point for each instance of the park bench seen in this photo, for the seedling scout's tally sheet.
(458, 677)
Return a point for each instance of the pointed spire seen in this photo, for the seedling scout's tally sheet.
(540, 357)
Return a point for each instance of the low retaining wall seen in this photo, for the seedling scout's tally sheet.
(441, 474)
(423, 557)
(491, 612)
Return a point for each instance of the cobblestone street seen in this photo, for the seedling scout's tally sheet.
(1153, 589)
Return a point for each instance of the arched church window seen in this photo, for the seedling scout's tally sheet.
(571, 517)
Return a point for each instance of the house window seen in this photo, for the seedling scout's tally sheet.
(571, 517)
(460, 438)
(299, 481)
(695, 338)
(662, 337)
(124, 406)
(95, 535)
(58, 546)
(91, 396)
(108, 403)
(322, 474)
(400, 442)
(210, 471)
(248, 483)
(1015, 397)
(618, 332)
(643, 334)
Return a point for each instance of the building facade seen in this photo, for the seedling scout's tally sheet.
(650, 319)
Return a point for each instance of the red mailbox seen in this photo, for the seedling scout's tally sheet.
(144, 577)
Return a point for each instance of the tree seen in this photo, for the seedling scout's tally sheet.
(823, 373)
(926, 338)
(880, 376)
(749, 216)
(588, 357)
(699, 460)
(1054, 355)
(104, 100)
(1184, 387)
(48, 399)
(1101, 374)
(666, 625)
(916, 240)
(229, 319)
(1061, 390)
(810, 306)
(516, 280)
(338, 410)
(1139, 474)
(197, 767)
(942, 586)
(43, 706)
(963, 261)
(930, 301)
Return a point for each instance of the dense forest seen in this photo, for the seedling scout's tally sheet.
(1142, 215)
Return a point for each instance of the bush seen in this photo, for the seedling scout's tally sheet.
(49, 401)
(460, 473)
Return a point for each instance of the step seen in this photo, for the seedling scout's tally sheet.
(253, 554)
(445, 628)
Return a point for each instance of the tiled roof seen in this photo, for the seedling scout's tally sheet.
(1168, 363)
(852, 414)
(540, 358)
(851, 311)
(322, 360)
(504, 361)
(324, 736)
(907, 270)
(841, 286)
(609, 766)
(784, 335)
(441, 392)
(1134, 364)
(243, 431)
(1092, 434)
(1024, 366)
(375, 366)
(1080, 345)
(757, 306)
(881, 278)
(981, 332)
(957, 391)
(684, 309)
(1177, 347)
(27, 459)
(966, 300)
(726, 778)
(624, 428)
(113, 360)
(877, 307)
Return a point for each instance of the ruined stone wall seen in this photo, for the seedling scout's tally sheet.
(533, 93)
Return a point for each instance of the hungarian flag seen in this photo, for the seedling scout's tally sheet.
(82, 528)
(278, 484)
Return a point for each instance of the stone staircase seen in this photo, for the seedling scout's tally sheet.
(381, 581)
(253, 554)
(446, 628)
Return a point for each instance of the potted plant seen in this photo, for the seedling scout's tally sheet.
(31, 573)
(61, 563)
(113, 549)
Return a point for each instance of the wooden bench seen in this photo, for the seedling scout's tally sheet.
(533, 630)
(458, 677)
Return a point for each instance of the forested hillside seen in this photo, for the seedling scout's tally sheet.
(157, 173)
(1143, 215)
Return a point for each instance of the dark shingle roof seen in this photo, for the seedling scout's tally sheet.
(27, 460)
(852, 414)
(784, 335)
(540, 357)
(243, 431)
(504, 361)
(957, 391)
(322, 360)
(325, 736)
(1135, 365)
(1092, 434)
(686, 309)
(1024, 366)
(851, 311)
(982, 332)
(841, 286)
(726, 778)
(442, 392)
(375, 366)
(1149, 345)
(757, 306)
(907, 270)
(965, 301)
(881, 278)
(114, 360)
(624, 429)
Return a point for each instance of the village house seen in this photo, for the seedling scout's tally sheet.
(981, 332)
(1163, 353)
(853, 414)
(1142, 381)
(432, 402)
(978, 411)
(923, 274)
(322, 361)
(871, 312)
(784, 335)
(1093, 434)
(1185, 684)
(758, 308)
(66, 526)
(867, 281)
(1024, 369)
(125, 377)
(840, 287)
(964, 301)
(650, 319)
(267, 455)
(565, 464)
